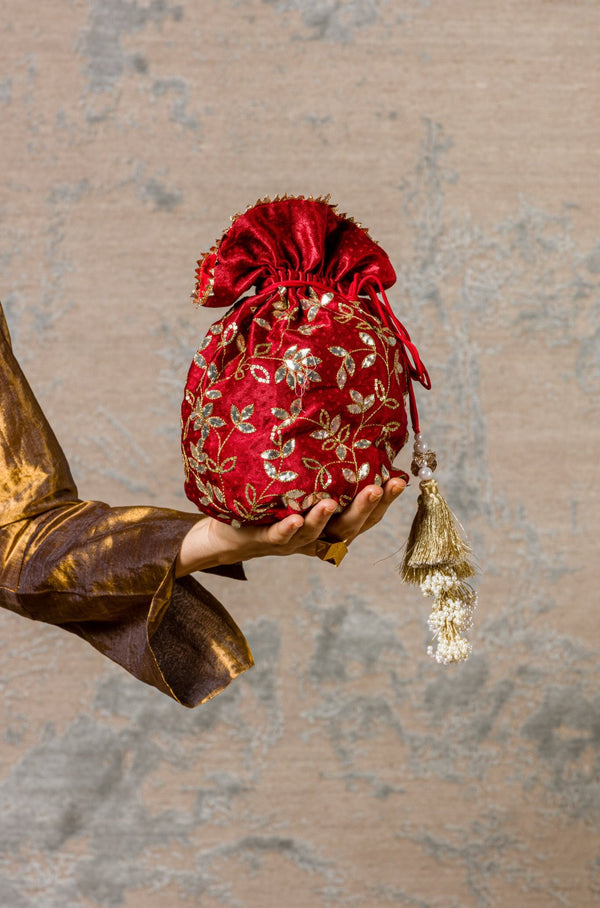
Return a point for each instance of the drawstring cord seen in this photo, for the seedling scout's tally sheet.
(415, 369)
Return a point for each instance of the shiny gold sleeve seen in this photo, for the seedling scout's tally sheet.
(105, 574)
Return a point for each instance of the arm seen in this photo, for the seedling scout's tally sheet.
(117, 577)
(105, 574)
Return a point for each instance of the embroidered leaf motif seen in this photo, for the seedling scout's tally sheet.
(213, 394)
(228, 464)
(311, 464)
(247, 411)
(362, 443)
(279, 413)
(240, 343)
(271, 454)
(287, 476)
(325, 477)
(262, 349)
(369, 360)
(294, 493)
(319, 433)
(200, 361)
(260, 374)
(246, 428)
(205, 343)
(363, 471)
(366, 338)
(379, 389)
(349, 475)
(270, 469)
(385, 473)
(341, 452)
(341, 377)
(336, 423)
(250, 493)
(290, 499)
(296, 408)
(280, 374)
(235, 414)
(338, 351)
(217, 328)
(229, 333)
(213, 372)
(289, 447)
(263, 323)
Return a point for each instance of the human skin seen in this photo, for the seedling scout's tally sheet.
(211, 543)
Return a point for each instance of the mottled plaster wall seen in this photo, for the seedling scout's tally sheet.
(346, 768)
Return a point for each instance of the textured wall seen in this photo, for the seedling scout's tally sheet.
(346, 768)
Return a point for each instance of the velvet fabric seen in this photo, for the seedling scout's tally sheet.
(291, 237)
(297, 393)
(105, 574)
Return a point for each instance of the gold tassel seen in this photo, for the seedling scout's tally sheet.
(434, 542)
(437, 559)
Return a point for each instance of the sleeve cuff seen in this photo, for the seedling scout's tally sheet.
(196, 647)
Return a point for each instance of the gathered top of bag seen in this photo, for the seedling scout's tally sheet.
(286, 239)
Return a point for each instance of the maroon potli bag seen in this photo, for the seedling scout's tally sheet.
(298, 392)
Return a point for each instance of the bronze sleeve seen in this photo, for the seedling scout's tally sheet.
(105, 574)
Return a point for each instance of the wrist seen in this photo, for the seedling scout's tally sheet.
(203, 547)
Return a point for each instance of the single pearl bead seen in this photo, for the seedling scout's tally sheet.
(425, 473)
(422, 447)
(418, 437)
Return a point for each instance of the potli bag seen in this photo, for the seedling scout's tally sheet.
(298, 392)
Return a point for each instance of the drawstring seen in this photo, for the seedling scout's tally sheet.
(414, 368)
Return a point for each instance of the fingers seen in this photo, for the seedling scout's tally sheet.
(391, 491)
(283, 531)
(300, 532)
(365, 510)
(349, 524)
(318, 517)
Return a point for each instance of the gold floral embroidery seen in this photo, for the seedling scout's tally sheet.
(370, 373)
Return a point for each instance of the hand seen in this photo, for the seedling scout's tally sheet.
(211, 543)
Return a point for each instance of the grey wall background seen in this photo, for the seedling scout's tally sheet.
(346, 768)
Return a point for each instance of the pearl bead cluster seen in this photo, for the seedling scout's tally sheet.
(424, 460)
(452, 615)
